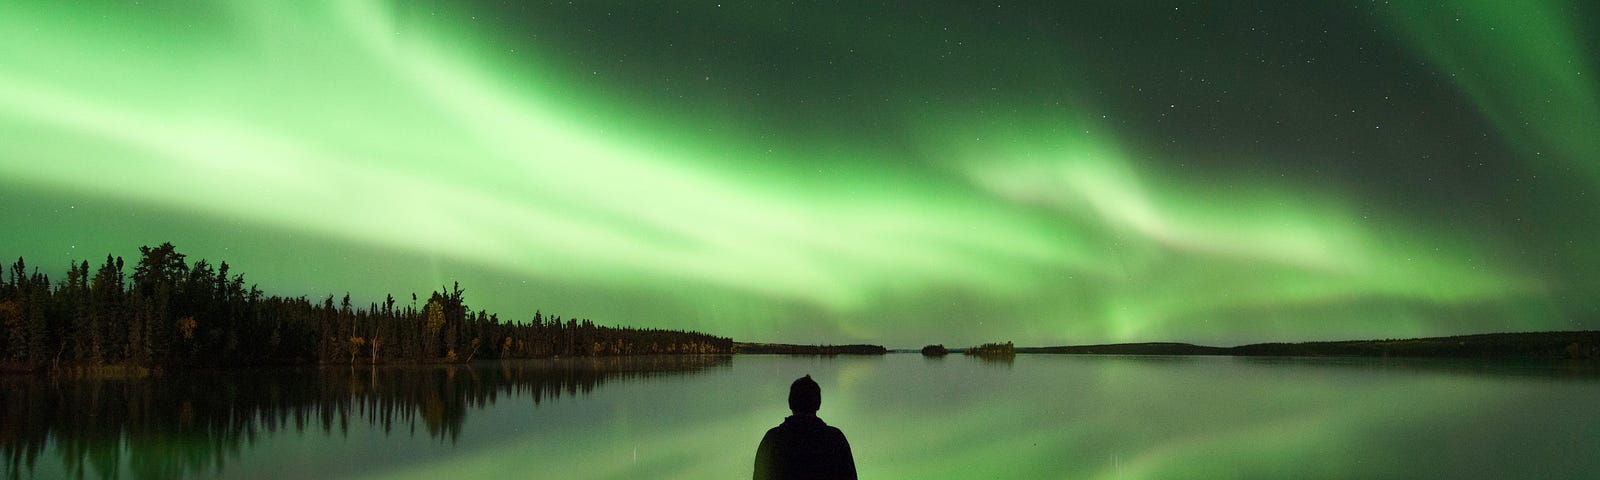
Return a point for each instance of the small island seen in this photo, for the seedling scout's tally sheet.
(935, 351)
(992, 350)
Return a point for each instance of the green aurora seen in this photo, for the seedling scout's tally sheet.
(860, 172)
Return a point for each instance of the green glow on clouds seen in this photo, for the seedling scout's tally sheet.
(343, 129)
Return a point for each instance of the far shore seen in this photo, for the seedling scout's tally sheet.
(1567, 345)
(749, 348)
(1583, 345)
(1578, 345)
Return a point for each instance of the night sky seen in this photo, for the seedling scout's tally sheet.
(885, 172)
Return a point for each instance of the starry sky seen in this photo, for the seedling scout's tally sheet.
(836, 172)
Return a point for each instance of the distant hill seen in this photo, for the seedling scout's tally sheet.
(1554, 345)
(1152, 348)
(789, 349)
(1521, 345)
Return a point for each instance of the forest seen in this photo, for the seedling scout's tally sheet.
(168, 312)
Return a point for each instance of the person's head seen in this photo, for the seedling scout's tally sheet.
(805, 397)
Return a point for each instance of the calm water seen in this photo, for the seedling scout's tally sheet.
(906, 416)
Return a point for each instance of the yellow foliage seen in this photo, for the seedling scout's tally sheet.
(433, 313)
(186, 325)
(355, 347)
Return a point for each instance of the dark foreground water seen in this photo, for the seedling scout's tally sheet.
(906, 417)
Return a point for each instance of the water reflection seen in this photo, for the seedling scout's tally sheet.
(994, 360)
(1555, 369)
(1039, 416)
(1164, 417)
(186, 423)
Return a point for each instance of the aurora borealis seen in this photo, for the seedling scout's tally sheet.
(952, 173)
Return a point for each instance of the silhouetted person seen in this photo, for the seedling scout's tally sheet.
(803, 447)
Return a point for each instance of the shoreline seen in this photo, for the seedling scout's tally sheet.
(1559, 345)
(1569, 345)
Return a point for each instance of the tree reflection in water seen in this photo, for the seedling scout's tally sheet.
(187, 422)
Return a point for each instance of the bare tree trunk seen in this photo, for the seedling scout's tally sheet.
(376, 342)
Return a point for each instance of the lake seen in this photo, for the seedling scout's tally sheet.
(906, 416)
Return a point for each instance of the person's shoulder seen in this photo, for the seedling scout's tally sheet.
(833, 431)
(784, 429)
(774, 436)
(777, 430)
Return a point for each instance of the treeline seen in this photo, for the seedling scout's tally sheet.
(790, 349)
(169, 312)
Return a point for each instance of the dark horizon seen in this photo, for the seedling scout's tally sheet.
(62, 287)
(1541, 344)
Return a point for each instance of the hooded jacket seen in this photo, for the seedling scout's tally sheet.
(803, 447)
